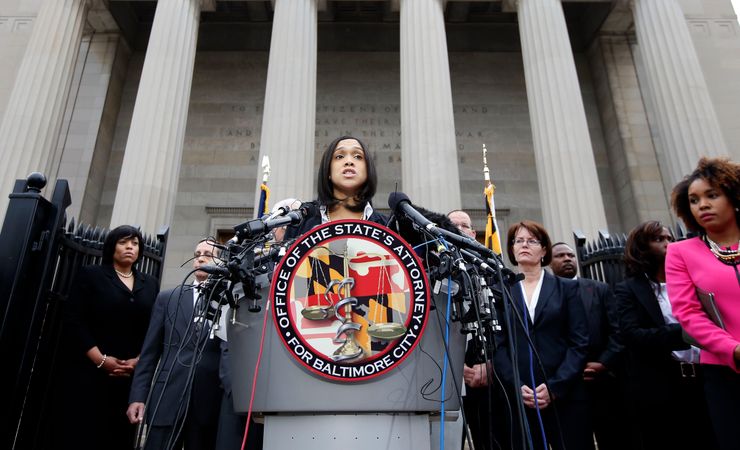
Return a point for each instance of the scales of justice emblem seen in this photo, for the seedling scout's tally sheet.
(350, 300)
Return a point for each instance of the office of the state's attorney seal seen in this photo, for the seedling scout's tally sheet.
(350, 300)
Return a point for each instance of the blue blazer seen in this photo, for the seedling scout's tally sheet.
(171, 316)
(559, 333)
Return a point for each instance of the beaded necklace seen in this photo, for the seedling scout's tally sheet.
(125, 275)
(725, 256)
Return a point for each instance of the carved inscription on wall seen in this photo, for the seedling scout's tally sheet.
(378, 125)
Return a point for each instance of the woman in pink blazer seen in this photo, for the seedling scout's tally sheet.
(708, 201)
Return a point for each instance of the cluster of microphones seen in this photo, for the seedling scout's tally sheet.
(467, 269)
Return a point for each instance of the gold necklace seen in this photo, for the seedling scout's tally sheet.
(125, 275)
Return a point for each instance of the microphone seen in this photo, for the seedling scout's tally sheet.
(400, 203)
(259, 227)
(280, 211)
(215, 269)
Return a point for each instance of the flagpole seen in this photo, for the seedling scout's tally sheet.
(264, 204)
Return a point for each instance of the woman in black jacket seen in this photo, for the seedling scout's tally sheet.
(662, 374)
(105, 322)
(554, 318)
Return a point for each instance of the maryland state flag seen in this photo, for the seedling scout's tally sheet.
(493, 240)
(264, 204)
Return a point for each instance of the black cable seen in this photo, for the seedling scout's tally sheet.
(489, 380)
(452, 371)
(497, 271)
(536, 354)
(201, 340)
(162, 357)
(482, 329)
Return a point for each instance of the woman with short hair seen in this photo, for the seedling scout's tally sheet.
(553, 317)
(105, 322)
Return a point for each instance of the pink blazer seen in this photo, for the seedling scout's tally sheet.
(690, 264)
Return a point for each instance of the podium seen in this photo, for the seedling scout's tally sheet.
(304, 410)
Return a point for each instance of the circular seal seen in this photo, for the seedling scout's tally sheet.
(350, 300)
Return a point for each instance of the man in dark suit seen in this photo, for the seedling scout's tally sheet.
(604, 350)
(184, 401)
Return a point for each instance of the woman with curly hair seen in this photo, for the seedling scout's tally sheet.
(702, 275)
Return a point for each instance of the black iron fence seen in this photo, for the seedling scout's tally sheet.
(602, 259)
(39, 256)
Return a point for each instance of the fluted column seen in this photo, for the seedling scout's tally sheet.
(289, 117)
(568, 181)
(429, 154)
(687, 122)
(147, 186)
(30, 127)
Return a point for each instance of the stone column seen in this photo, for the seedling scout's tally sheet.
(686, 118)
(633, 162)
(568, 181)
(429, 165)
(30, 127)
(289, 117)
(147, 187)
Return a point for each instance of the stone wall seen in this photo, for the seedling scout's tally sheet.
(358, 94)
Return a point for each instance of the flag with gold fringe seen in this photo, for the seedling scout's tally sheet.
(493, 240)
(263, 207)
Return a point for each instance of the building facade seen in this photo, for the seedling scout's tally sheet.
(159, 112)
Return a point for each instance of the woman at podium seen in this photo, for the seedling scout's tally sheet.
(346, 185)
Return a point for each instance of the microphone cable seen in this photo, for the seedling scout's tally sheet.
(201, 341)
(534, 384)
(490, 375)
(161, 357)
(256, 372)
(536, 354)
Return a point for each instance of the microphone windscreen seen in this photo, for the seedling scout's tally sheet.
(395, 198)
(309, 209)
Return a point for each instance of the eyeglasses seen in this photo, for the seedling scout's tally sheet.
(204, 254)
(530, 242)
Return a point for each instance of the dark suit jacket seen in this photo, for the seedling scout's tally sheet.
(648, 340)
(315, 220)
(169, 342)
(559, 333)
(101, 311)
(603, 327)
